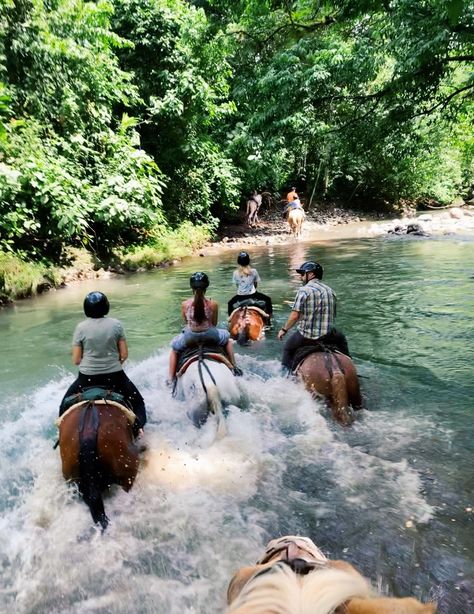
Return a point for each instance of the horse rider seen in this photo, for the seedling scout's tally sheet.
(201, 315)
(291, 196)
(314, 312)
(99, 348)
(292, 202)
(246, 279)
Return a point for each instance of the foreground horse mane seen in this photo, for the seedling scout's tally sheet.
(280, 591)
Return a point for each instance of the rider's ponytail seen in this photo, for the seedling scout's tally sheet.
(199, 314)
(245, 270)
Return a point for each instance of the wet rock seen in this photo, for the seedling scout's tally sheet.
(456, 213)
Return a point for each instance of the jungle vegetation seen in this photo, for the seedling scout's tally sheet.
(122, 120)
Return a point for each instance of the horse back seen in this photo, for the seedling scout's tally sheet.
(109, 431)
(246, 322)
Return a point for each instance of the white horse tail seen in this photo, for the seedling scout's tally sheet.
(214, 405)
(281, 591)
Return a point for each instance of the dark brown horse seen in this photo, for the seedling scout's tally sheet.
(333, 376)
(97, 450)
(294, 577)
(247, 324)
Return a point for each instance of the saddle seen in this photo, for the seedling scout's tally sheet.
(304, 351)
(100, 396)
(94, 394)
(254, 305)
(190, 355)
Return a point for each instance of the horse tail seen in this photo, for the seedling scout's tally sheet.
(91, 475)
(214, 406)
(340, 399)
(243, 334)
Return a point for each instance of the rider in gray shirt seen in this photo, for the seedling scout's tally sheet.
(99, 348)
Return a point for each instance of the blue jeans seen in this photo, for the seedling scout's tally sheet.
(189, 338)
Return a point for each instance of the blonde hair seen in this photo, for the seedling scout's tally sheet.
(244, 270)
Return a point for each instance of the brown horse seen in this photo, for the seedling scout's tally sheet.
(247, 324)
(97, 449)
(295, 220)
(294, 577)
(333, 376)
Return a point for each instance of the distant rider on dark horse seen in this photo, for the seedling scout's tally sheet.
(99, 348)
(314, 312)
(201, 315)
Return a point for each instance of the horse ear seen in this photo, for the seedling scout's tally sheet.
(387, 605)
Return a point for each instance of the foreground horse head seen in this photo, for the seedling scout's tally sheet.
(207, 384)
(97, 449)
(294, 577)
(333, 376)
(295, 220)
(247, 324)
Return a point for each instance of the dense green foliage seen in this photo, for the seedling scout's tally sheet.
(123, 119)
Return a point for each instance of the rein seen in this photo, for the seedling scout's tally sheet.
(200, 365)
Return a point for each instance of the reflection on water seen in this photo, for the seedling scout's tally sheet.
(390, 494)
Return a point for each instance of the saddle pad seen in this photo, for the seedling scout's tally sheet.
(207, 355)
(127, 412)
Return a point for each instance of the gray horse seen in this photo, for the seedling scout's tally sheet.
(253, 206)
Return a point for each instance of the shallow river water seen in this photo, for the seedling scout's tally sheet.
(393, 494)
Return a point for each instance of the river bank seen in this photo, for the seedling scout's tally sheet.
(22, 279)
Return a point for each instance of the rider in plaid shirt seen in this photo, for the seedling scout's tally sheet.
(314, 312)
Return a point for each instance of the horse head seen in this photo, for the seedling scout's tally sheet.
(294, 576)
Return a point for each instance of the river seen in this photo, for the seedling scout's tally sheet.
(393, 494)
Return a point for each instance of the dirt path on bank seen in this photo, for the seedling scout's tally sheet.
(337, 224)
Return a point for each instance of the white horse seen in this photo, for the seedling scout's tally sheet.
(207, 387)
(295, 220)
(294, 577)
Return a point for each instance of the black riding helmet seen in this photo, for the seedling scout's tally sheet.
(243, 259)
(311, 267)
(96, 305)
(199, 280)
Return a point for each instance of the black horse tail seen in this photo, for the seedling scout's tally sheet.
(91, 475)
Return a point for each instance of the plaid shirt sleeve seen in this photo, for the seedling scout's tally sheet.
(299, 299)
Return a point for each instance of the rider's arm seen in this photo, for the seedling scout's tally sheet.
(292, 319)
(76, 354)
(183, 311)
(123, 350)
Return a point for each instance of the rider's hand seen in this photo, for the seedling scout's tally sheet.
(281, 333)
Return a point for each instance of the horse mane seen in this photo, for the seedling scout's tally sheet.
(280, 591)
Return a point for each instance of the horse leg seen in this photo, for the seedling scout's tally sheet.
(340, 400)
(355, 397)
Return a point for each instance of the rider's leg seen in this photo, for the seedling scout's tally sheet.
(289, 349)
(173, 365)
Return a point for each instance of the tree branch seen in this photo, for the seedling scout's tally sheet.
(460, 58)
(444, 103)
